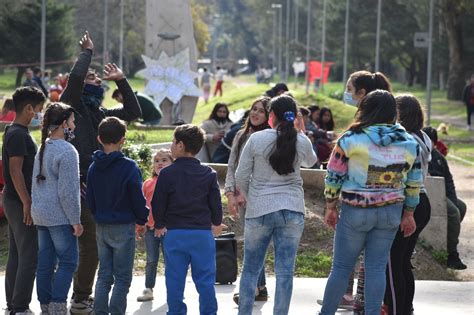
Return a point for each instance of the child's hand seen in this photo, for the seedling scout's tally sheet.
(86, 42)
(217, 229)
(160, 232)
(139, 231)
(78, 229)
(112, 72)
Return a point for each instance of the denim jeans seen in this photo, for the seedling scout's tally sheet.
(152, 245)
(372, 230)
(56, 245)
(286, 228)
(116, 245)
(196, 248)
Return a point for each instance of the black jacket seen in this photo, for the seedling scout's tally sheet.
(87, 122)
(439, 167)
(466, 95)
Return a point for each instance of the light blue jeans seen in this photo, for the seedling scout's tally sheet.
(286, 228)
(116, 246)
(152, 246)
(56, 246)
(372, 230)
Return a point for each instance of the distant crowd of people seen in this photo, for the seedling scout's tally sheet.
(78, 204)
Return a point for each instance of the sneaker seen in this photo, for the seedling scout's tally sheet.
(346, 303)
(262, 296)
(57, 308)
(147, 296)
(454, 262)
(83, 307)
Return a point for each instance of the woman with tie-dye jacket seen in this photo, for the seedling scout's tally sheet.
(372, 170)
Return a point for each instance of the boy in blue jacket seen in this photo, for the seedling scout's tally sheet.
(115, 197)
(187, 208)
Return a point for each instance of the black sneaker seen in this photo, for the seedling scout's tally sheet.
(262, 296)
(454, 262)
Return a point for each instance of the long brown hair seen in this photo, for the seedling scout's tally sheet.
(248, 128)
(377, 107)
(54, 116)
(370, 81)
(410, 112)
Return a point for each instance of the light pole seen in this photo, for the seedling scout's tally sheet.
(287, 37)
(323, 48)
(273, 13)
(308, 36)
(297, 20)
(280, 16)
(346, 43)
(430, 57)
(106, 18)
(377, 38)
(121, 36)
(43, 35)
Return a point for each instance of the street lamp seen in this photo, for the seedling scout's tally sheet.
(279, 6)
(287, 36)
(346, 44)
(308, 37)
(274, 38)
(323, 48)
(377, 37)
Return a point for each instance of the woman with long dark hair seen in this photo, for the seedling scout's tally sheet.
(400, 281)
(257, 120)
(372, 170)
(215, 127)
(269, 177)
(325, 119)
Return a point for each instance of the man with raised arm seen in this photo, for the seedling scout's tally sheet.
(84, 92)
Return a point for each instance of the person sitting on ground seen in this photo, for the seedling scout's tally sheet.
(8, 111)
(438, 166)
(222, 153)
(314, 115)
(278, 89)
(216, 127)
(151, 113)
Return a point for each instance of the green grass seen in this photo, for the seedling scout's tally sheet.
(462, 150)
(308, 264)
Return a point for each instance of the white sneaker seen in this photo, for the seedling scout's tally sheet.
(147, 296)
(83, 307)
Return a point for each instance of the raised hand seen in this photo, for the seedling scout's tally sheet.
(112, 72)
(86, 42)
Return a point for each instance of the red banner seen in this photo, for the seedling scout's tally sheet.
(315, 70)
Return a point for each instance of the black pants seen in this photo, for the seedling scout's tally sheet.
(88, 257)
(22, 257)
(400, 288)
(470, 111)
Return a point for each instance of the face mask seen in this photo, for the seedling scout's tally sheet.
(68, 134)
(37, 120)
(348, 99)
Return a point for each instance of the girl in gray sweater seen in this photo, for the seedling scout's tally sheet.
(269, 178)
(56, 208)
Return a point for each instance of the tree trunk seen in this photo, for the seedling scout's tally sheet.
(451, 15)
(19, 75)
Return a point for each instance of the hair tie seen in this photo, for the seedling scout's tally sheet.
(289, 116)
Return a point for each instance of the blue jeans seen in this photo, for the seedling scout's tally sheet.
(198, 249)
(152, 245)
(116, 246)
(372, 230)
(56, 245)
(286, 228)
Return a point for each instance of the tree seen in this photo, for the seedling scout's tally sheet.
(22, 38)
(201, 30)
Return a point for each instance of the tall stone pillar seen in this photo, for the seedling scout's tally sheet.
(165, 20)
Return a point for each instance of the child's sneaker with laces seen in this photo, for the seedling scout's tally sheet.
(146, 296)
(83, 307)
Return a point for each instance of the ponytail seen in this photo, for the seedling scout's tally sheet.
(44, 136)
(283, 155)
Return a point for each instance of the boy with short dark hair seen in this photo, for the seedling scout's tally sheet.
(115, 197)
(187, 207)
(18, 155)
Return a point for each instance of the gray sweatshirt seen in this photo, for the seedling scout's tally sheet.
(424, 155)
(56, 200)
(265, 190)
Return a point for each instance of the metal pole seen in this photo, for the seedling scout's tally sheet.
(280, 42)
(377, 37)
(323, 48)
(308, 36)
(43, 35)
(346, 43)
(297, 20)
(287, 38)
(430, 57)
(274, 55)
(106, 17)
(121, 36)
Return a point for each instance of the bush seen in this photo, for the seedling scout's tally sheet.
(141, 153)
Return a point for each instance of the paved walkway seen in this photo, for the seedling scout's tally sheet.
(432, 298)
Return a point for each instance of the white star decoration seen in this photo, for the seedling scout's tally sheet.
(169, 77)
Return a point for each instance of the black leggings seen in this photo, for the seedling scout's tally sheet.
(400, 288)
